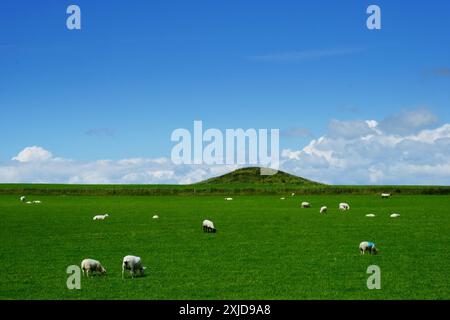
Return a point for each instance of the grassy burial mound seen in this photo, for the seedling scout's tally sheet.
(252, 176)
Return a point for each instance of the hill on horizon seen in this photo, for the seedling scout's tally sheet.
(252, 175)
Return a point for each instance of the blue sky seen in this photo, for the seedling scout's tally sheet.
(140, 69)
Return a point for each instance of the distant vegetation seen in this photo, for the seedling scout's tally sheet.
(245, 181)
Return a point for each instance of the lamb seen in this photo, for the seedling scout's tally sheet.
(370, 215)
(208, 226)
(89, 266)
(395, 215)
(385, 195)
(344, 206)
(305, 205)
(367, 246)
(323, 209)
(133, 264)
(101, 217)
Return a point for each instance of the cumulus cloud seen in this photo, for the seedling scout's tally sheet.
(406, 148)
(33, 154)
(37, 165)
(371, 152)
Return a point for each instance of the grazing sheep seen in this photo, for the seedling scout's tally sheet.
(101, 217)
(133, 264)
(89, 266)
(370, 215)
(306, 204)
(367, 246)
(385, 195)
(155, 216)
(395, 215)
(23, 198)
(29, 202)
(344, 206)
(228, 199)
(208, 226)
(37, 201)
(323, 209)
(292, 194)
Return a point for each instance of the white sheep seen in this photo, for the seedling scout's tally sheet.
(292, 194)
(89, 266)
(100, 217)
(344, 206)
(37, 201)
(282, 198)
(228, 199)
(323, 209)
(385, 195)
(29, 202)
(367, 246)
(155, 216)
(208, 226)
(306, 204)
(23, 198)
(370, 215)
(133, 264)
(395, 215)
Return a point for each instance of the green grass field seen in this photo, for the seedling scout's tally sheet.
(265, 248)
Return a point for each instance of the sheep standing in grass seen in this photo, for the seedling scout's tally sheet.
(385, 195)
(344, 206)
(323, 209)
(23, 198)
(367, 246)
(101, 217)
(208, 226)
(228, 199)
(133, 264)
(370, 215)
(395, 215)
(155, 216)
(306, 204)
(89, 266)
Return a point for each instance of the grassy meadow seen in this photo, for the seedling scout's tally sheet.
(265, 248)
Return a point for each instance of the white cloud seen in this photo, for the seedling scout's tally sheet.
(368, 152)
(33, 154)
(37, 165)
(351, 152)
